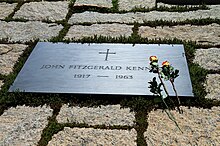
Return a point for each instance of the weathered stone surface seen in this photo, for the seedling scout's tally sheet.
(6, 9)
(199, 126)
(92, 137)
(181, 16)
(9, 54)
(1, 83)
(113, 30)
(213, 86)
(28, 31)
(131, 4)
(208, 58)
(104, 115)
(97, 3)
(52, 11)
(23, 125)
(170, 5)
(208, 34)
(95, 17)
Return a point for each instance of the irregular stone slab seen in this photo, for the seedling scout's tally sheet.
(23, 125)
(208, 58)
(92, 137)
(113, 30)
(182, 16)
(6, 9)
(95, 17)
(97, 3)
(128, 5)
(172, 5)
(105, 115)
(28, 31)
(52, 11)
(199, 126)
(208, 34)
(213, 86)
(9, 54)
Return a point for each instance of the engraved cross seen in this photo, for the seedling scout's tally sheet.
(106, 57)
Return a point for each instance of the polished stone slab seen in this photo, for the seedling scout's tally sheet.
(118, 69)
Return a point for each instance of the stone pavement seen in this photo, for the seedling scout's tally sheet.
(22, 23)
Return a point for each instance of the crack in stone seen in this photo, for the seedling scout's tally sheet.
(6, 52)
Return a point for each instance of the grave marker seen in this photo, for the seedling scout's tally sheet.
(117, 69)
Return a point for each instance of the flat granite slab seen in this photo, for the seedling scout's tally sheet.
(208, 58)
(52, 11)
(119, 69)
(131, 4)
(23, 125)
(6, 9)
(77, 32)
(109, 115)
(212, 86)
(9, 54)
(94, 137)
(207, 34)
(97, 3)
(28, 31)
(200, 127)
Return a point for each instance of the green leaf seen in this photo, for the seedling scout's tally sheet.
(157, 100)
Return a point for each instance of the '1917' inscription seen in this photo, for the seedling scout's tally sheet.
(92, 67)
(96, 67)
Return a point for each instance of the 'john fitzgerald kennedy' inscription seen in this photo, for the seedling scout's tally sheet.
(92, 67)
(98, 69)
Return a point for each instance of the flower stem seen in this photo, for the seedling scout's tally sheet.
(164, 87)
(174, 89)
(171, 117)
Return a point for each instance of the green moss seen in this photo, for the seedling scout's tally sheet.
(141, 127)
(180, 8)
(52, 128)
(198, 76)
(177, 8)
(2, 77)
(61, 34)
(115, 5)
(205, 21)
(80, 9)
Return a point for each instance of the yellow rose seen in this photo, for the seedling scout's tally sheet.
(165, 64)
(153, 58)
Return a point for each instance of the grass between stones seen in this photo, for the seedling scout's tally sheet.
(140, 105)
(180, 8)
(206, 21)
(114, 9)
(177, 8)
(9, 18)
(115, 5)
(54, 127)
